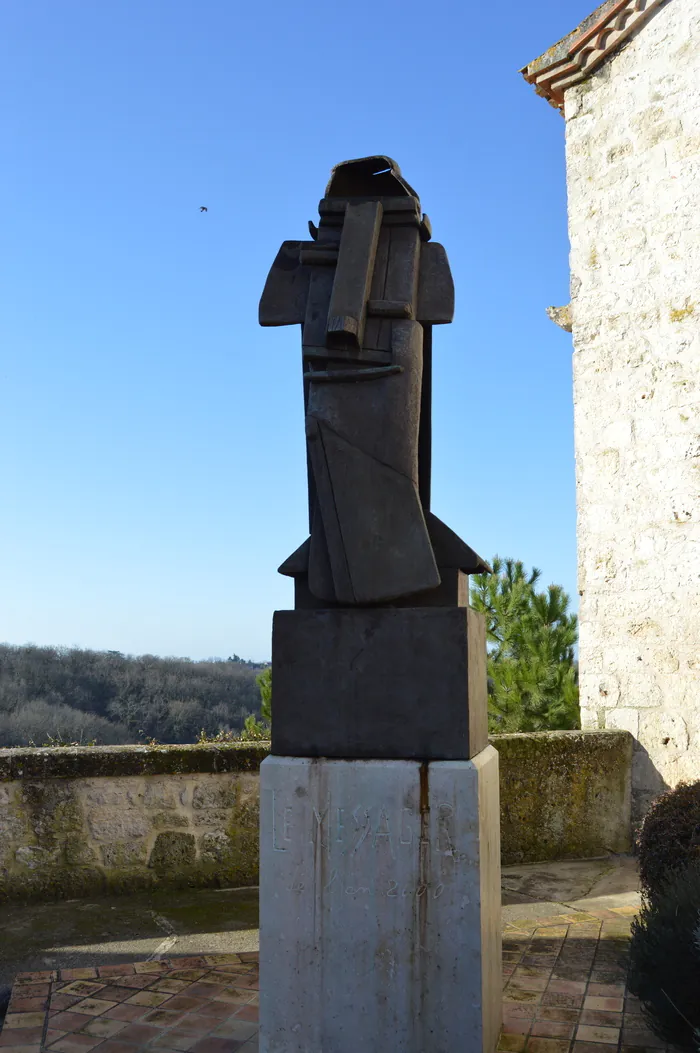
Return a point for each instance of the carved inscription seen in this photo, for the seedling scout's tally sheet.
(370, 837)
(354, 827)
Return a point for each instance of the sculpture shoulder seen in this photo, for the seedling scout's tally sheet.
(283, 301)
(436, 291)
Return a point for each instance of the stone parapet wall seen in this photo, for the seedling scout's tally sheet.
(83, 821)
(75, 821)
(564, 794)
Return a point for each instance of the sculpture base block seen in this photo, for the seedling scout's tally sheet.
(380, 683)
(380, 914)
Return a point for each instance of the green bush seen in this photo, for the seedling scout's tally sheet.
(665, 959)
(669, 838)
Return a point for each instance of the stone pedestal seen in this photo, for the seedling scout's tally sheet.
(380, 927)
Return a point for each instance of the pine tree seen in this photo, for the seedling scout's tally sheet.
(533, 678)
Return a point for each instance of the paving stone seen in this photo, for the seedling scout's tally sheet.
(607, 1035)
(19, 1021)
(512, 1043)
(103, 1027)
(20, 1036)
(126, 1012)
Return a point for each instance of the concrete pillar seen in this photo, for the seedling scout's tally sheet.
(380, 906)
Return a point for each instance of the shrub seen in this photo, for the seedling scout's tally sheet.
(665, 959)
(669, 838)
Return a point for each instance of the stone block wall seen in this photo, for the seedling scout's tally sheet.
(81, 821)
(633, 162)
(113, 819)
(564, 795)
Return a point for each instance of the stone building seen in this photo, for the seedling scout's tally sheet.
(627, 82)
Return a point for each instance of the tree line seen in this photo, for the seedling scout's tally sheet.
(59, 694)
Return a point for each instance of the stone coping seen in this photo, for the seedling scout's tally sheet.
(89, 762)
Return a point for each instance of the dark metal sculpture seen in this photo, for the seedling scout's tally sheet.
(367, 291)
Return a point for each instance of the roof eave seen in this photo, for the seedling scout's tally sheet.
(576, 56)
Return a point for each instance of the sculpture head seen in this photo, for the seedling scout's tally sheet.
(368, 178)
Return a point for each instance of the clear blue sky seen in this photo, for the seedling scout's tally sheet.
(153, 473)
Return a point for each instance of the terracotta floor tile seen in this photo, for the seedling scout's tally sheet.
(182, 1002)
(552, 1029)
(547, 1045)
(249, 956)
(608, 978)
(213, 1045)
(30, 990)
(642, 1037)
(103, 1027)
(175, 1039)
(610, 1005)
(203, 990)
(85, 988)
(238, 1030)
(28, 1005)
(52, 1034)
(565, 1001)
(512, 1043)
(172, 986)
(69, 1021)
(163, 1017)
(117, 994)
(126, 1012)
(21, 1021)
(21, 1036)
(559, 1013)
(590, 1047)
(61, 1001)
(139, 1034)
(520, 982)
(514, 994)
(23, 1049)
(573, 987)
(149, 998)
(136, 983)
(116, 970)
(589, 1033)
(187, 974)
(93, 1006)
(75, 1044)
(524, 969)
(248, 1012)
(607, 990)
(113, 1045)
(215, 1010)
(196, 1025)
(151, 968)
(36, 977)
(595, 1016)
(578, 975)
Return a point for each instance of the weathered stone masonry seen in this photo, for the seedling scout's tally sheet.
(81, 821)
(633, 164)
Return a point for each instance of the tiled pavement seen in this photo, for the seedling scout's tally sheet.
(564, 992)
(203, 1005)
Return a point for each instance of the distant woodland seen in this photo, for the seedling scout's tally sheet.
(64, 695)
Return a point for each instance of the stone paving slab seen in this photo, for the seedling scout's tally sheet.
(564, 992)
